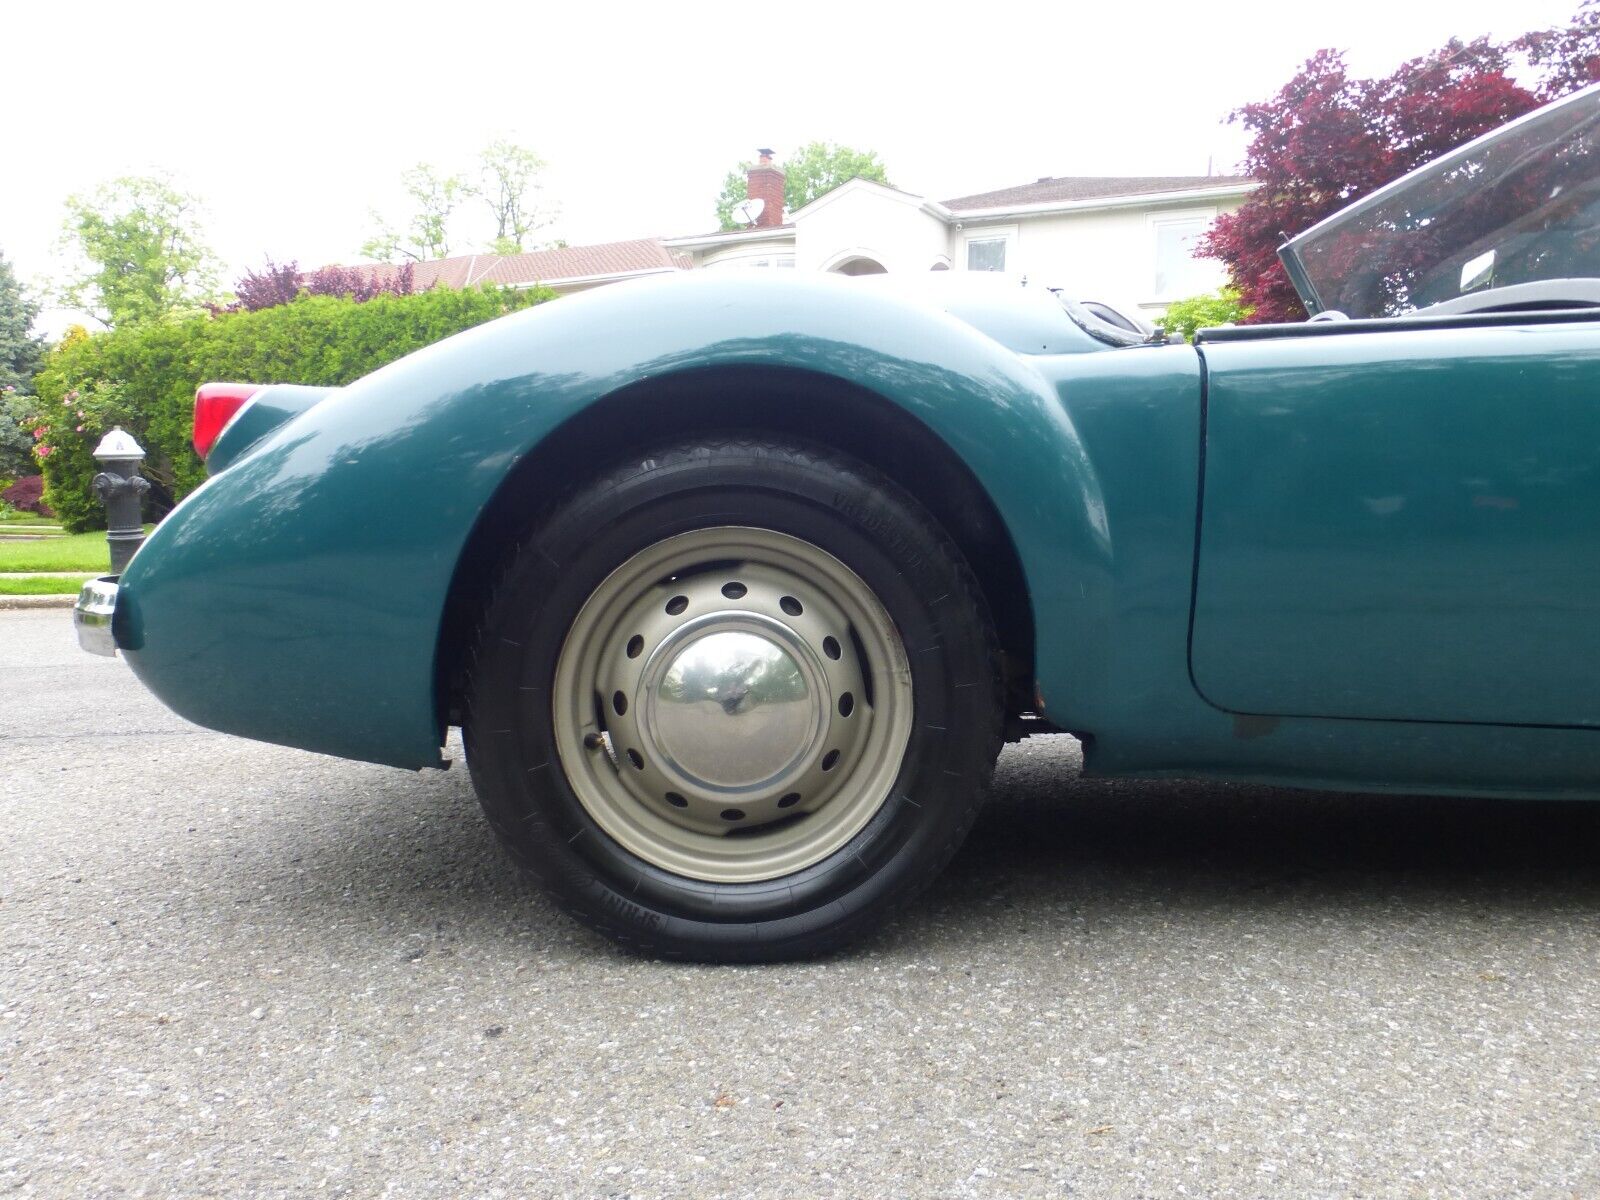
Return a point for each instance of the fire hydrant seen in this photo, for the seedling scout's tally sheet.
(121, 489)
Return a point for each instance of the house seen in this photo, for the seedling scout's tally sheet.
(564, 269)
(1127, 240)
(1118, 238)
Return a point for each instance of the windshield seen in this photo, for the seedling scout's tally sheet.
(1514, 206)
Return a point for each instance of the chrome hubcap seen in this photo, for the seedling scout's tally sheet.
(732, 711)
(752, 698)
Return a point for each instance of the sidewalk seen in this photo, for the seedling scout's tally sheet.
(7, 602)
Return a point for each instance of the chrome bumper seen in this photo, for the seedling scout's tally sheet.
(91, 615)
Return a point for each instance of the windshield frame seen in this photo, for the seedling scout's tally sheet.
(1289, 252)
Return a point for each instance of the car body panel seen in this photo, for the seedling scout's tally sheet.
(1403, 525)
(260, 415)
(297, 596)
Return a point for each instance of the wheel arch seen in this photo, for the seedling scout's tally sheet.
(767, 400)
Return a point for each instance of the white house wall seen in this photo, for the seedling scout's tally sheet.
(1108, 254)
(870, 224)
(743, 255)
(1094, 253)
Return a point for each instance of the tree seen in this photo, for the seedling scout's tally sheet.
(508, 184)
(1327, 139)
(811, 171)
(143, 254)
(20, 356)
(427, 233)
(20, 351)
(1566, 59)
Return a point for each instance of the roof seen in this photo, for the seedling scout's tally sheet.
(1065, 188)
(605, 259)
(741, 234)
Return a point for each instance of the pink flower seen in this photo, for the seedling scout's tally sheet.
(80, 427)
(42, 451)
(73, 394)
(39, 433)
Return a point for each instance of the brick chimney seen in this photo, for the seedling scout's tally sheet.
(765, 183)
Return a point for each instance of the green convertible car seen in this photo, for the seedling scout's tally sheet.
(736, 585)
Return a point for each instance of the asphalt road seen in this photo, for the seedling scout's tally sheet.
(229, 969)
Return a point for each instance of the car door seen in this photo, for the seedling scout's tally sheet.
(1401, 521)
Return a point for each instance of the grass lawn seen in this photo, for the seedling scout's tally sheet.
(27, 518)
(61, 585)
(74, 552)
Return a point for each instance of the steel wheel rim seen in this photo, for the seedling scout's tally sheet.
(732, 704)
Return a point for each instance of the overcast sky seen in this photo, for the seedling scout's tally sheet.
(292, 120)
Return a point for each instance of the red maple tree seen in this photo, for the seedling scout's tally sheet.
(1327, 139)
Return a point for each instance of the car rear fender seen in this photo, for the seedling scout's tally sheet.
(298, 596)
(269, 408)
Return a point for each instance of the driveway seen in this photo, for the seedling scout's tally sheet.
(231, 969)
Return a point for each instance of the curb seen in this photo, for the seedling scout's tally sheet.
(37, 601)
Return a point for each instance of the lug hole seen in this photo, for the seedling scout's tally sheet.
(676, 800)
(635, 646)
(677, 604)
(791, 606)
(636, 758)
(847, 704)
(789, 801)
(620, 703)
(829, 759)
(733, 814)
(734, 591)
(830, 647)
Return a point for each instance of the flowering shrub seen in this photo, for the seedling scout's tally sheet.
(27, 495)
(281, 283)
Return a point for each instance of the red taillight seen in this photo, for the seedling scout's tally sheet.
(214, 406)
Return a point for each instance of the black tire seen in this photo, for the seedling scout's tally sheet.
(829, 501)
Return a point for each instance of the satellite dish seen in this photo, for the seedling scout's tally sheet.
(747, 211)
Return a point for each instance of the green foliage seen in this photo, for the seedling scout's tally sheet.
(20, 351)
(427, 232)
(16, 443)
(143, 377)
(20, 355)
(508, 182)
(141, 252)
(811, 171)
(1221, 307)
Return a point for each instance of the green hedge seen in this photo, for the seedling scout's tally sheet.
(143, 378)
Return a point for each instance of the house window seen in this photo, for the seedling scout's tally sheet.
(1178, 272)
(986, 254)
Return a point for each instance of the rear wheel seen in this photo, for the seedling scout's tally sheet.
(734, 701)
